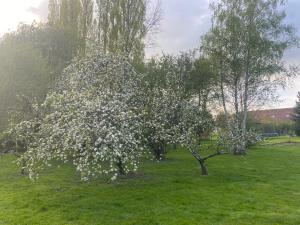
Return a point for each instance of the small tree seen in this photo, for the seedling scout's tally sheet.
(160, 120)
(193, 124)
(164, 90)
(296, 116)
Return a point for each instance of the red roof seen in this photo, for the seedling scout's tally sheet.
(272, 115)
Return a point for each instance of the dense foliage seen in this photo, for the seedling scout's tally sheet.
(102, 116)
(23, 71)
(247, 43)
(91, 119)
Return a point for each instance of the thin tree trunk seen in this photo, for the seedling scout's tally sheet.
(236, 105)
(159, 151)
(244, 124)
(23, 164)
(246, 84)
(202, 160)
(223, 95)
(199, 98)
(204, 171)
(205, 100)
(120, 167)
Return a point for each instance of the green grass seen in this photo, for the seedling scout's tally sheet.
(281, 140)
(260, 188)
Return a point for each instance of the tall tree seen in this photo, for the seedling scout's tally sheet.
(86, 21)
(53, 15)
(124, 24)
(248, 39)
(75, 17)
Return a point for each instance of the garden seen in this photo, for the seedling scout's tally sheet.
(94, 131)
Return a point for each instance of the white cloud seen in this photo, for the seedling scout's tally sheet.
(41, 10)
(13, 12)
(182, 25)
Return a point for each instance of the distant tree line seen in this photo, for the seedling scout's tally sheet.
(33, 57)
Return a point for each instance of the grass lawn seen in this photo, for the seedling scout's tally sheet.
(260, 188)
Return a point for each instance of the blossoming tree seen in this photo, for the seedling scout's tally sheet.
(91, 119)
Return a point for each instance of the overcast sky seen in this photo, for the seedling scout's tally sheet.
(184, 21)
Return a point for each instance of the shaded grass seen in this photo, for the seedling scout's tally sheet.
(260, 188)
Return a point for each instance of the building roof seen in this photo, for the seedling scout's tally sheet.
(272, 115)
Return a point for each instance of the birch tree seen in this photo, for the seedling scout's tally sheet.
(248, 40)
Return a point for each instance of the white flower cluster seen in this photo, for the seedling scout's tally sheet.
(101, 116)
(161, 124)
(91, 120)
(193, 125)
(173, 118)
(233, 139)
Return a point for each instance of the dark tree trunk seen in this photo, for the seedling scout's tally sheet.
(159, 151)
(204, 171)
(240, 152)
(23, 164)
(202, 160)
(120, 167)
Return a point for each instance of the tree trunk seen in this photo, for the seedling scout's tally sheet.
(159, 151)
(245, 110)
(23, 164)
(240, 151)
(223, 95)
(204, 171)
(120, 167)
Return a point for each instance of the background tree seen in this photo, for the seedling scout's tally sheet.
(124, 24)
(52, 42)
(247, 41)
(75, 18)
(86, 22)
(170, 81)
(296, 116)
(53, 12)
(202, 81)
(23, 72)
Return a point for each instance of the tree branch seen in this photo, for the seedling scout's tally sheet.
(213, 155)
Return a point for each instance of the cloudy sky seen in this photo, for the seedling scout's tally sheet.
(184, 21)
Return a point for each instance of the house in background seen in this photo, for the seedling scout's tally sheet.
(272, 115)
(272, 122)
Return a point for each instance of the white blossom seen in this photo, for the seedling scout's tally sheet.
(90, 119)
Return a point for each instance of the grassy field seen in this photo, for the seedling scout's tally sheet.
(260, 188)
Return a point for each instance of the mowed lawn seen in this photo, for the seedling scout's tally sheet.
(260, 188)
